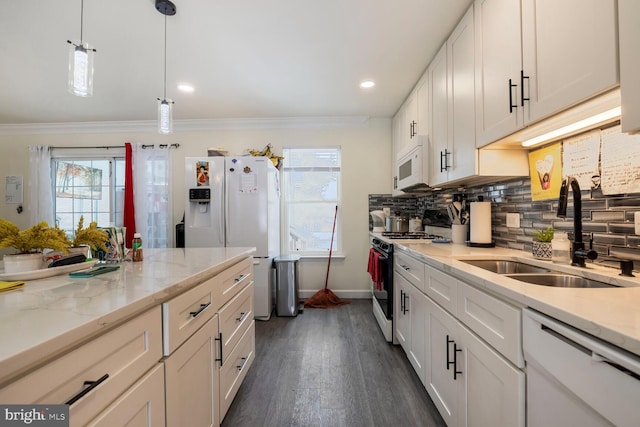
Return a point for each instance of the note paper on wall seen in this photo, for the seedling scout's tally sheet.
(620, 162)
(580, 159)
(13, 189)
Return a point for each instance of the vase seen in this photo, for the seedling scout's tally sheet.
(20, 263)
(541, 250)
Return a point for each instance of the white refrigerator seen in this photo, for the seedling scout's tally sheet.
(235, 201)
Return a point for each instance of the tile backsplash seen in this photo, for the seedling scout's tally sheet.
(607, 219)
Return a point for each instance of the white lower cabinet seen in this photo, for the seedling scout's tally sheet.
(410, 323)
(464, 344)
(141, 405)
(191, 378)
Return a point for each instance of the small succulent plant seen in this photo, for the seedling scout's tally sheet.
(545, 235)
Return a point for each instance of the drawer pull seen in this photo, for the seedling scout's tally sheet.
(219, 339)
(405, 267)
(241, 365)
(88, 386)
(242, 316)
(241, 277)
(200, 310)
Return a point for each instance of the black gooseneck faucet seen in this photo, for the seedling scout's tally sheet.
(579, 253)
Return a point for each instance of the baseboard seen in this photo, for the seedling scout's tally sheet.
(346, 294)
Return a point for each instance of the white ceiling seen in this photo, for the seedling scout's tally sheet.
(245, 58)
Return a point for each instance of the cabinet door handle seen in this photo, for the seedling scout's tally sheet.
(406, 309)
(395, 182)
(522, 79)
(219, 339)
(402, 301)
(449, 363)
(241, 277)
(242, 316)
(87, 387)
(200, 310)
(443, 159)
(455, 361)
(242, 363)
(511, 104)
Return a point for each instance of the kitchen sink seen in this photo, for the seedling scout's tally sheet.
(506, 267)
(560, 280)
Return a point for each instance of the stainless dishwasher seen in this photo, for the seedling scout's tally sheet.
(574, 379)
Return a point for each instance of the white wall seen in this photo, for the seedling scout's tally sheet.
(365, 169)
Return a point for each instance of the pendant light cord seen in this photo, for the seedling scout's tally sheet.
(165, 57)
(81, 19)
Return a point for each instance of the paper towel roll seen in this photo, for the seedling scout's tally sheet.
(480, 222)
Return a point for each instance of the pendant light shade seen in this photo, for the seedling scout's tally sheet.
(81, 69)
(80, 63)
(165, 116)
(165, 105)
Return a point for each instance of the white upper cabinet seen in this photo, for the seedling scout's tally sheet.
(629, 27)
(570, 53)
(439, 121)
(535, 58)
(498, 66)
(461, 102)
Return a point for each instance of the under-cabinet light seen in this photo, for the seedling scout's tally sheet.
(574, 127)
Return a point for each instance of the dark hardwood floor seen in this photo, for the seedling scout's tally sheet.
(330, 368)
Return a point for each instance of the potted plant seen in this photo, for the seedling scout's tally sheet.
(29, 244)
(88, 238)
(542, 243)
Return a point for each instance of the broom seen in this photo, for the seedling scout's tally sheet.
(324, 298)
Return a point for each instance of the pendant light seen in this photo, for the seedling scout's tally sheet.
(165, 105)
(81, 63)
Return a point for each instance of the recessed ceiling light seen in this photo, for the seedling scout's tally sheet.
(183, 87)
(367, 84)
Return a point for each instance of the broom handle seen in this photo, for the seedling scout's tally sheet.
(335, 216)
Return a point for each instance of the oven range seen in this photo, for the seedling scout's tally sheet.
(383, 290)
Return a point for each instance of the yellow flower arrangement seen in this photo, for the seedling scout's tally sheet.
(91, 236)
(34, 239)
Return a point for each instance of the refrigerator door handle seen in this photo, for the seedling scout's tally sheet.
(227, 219)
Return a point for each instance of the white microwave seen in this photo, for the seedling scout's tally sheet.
(410, 171)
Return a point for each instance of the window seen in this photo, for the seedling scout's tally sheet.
(311, 189)
(90, 187)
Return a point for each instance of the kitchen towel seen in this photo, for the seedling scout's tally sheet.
(7, 286)
(480, 222)
(374, 269)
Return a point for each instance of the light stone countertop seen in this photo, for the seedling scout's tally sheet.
(48, 316)
(612, 314)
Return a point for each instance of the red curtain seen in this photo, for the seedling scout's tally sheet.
(129, 211)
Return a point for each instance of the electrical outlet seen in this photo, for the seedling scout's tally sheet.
(513, 220)
(636, 221)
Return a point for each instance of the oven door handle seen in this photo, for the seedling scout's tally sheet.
(383, 258)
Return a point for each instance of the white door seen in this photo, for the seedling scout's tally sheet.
(247, 210)
(402, 321)
(438, 141)
(204, 219)
(498, 66)
(493, 393)
(418, 319)
(628, 18)
(570, 52)
(439, 367)
(460, 68)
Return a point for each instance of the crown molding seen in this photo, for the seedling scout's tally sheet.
(194, 125)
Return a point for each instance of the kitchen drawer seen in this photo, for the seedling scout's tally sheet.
(235, 367)
(120, 356)
(235, 317)
(183, 315)
(411, 268)
(495, 321)
(141, 405)
(232, 280)
(442, 288)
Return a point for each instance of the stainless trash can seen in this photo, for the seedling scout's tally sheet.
(286, 267)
